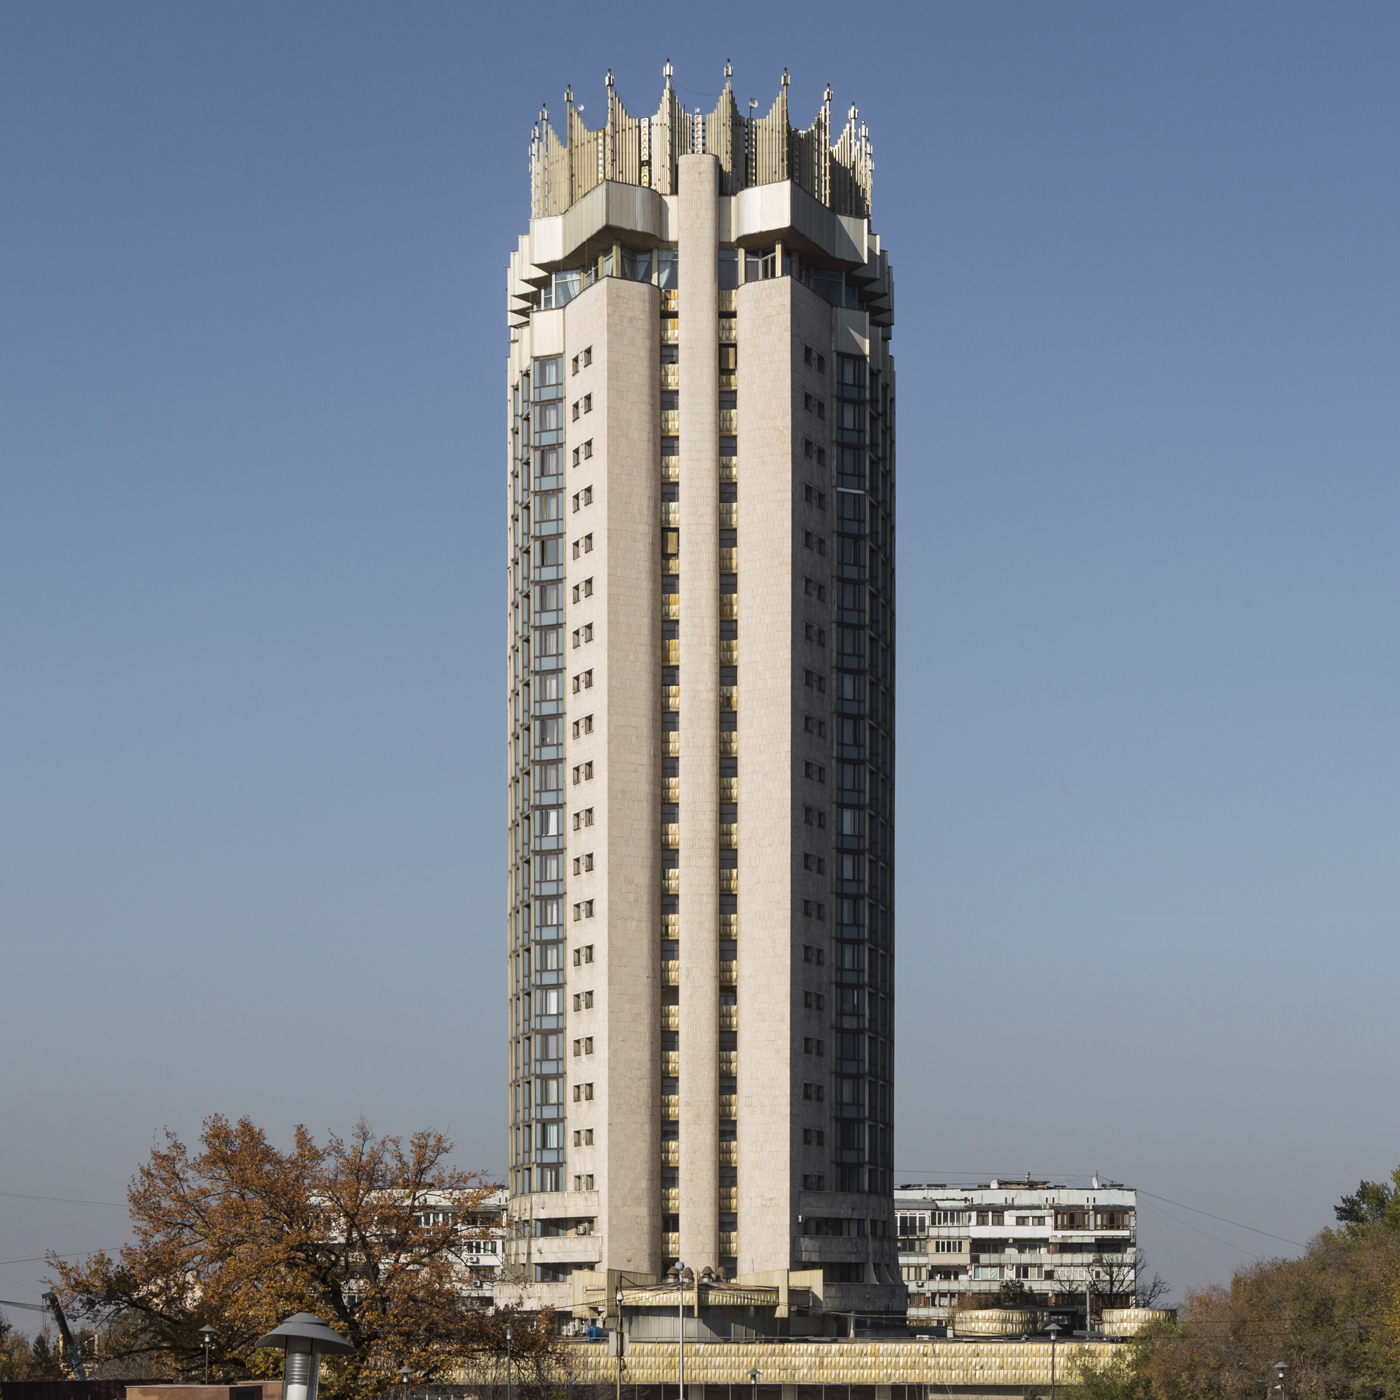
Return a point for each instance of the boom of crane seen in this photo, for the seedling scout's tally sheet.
(70, 1347)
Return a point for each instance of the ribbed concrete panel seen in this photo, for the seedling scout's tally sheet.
(625, 1019)
(699, 711)
(769, 1080)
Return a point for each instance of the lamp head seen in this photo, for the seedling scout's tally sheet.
(306, 1332)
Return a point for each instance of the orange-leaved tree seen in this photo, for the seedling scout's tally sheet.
(369, 1233)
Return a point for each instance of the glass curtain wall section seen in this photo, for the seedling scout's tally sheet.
(537, 755)
(729, 827)
(669, 332)
(864, 741)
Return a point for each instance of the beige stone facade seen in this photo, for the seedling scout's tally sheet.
(700, 714)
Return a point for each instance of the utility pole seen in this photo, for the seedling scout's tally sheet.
(1054, 1331)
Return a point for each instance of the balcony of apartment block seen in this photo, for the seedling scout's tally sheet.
(670, 1107)
(729, 1243)
(830, 1249)
(729, 1154)
(729, 744)
(670, 743)
(670, 1154)
(670, 421)
(671, 606)
(728, 300)
(729, 882)
(671, 879)
(671, 1063)
(670, 376)
(729, 652)
(670, 789)
(565, 1249)
(670, 1200)
(670, 1018)
(671, 299)
(728, 973)
(670, 974)
(671, 513)
(729, 561)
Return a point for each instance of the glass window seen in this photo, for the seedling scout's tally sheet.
(728, 269)
(636, 264)
(666, 274)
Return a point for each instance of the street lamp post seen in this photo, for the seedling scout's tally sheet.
(1054, 1331)
(1280, 1367)
(508, 1337)
(305, 1339)
(620, 1341)
(207, 1333)
(405, 1375)
(753, 1381)
(679, 1269)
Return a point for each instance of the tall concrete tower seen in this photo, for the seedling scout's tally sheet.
(700, 707)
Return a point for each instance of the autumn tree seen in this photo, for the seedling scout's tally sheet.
(25, 1360)
(371, 1234)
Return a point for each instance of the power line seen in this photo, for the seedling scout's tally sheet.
(63, 1200)
(1195, 1210)
(1180, 1226)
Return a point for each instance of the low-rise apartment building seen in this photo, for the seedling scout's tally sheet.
(959, 1245)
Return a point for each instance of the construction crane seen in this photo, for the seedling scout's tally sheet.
(70, 1347)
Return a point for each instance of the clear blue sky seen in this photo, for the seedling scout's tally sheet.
(251, 329)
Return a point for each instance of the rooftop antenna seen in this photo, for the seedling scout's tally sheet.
(667, 70)
(728, 69)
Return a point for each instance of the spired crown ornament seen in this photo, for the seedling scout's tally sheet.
(752, 150)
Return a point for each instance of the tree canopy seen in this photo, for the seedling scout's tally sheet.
(1332, 1316)
(371, 1234)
